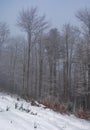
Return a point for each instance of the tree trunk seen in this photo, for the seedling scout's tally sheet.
(28, 64)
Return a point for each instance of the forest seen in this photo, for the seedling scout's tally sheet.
(45, 63)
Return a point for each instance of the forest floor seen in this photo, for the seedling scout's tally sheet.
(17, 114)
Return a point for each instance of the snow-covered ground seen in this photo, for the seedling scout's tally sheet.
(36, 118)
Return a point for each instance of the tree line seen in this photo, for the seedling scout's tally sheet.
(47, 64)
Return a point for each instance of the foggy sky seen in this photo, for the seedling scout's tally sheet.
(58, 12)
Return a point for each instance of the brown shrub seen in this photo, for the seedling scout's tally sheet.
(48, 105)
(82, 115)
(56, 106)
(63, 109)
(33, 103)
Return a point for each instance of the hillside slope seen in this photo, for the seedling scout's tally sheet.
(27, 117)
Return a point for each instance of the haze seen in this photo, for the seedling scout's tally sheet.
(58, 12)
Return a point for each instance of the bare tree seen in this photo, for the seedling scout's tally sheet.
(70, 40)
(32, 24)
(52, 45)
(4, 32)
(84, 16)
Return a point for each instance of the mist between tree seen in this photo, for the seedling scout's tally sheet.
(47, 64)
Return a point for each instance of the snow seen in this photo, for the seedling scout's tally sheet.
(36, 118)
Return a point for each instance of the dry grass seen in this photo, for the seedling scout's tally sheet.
(55, 106)
(82, 114)
(63, 109)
